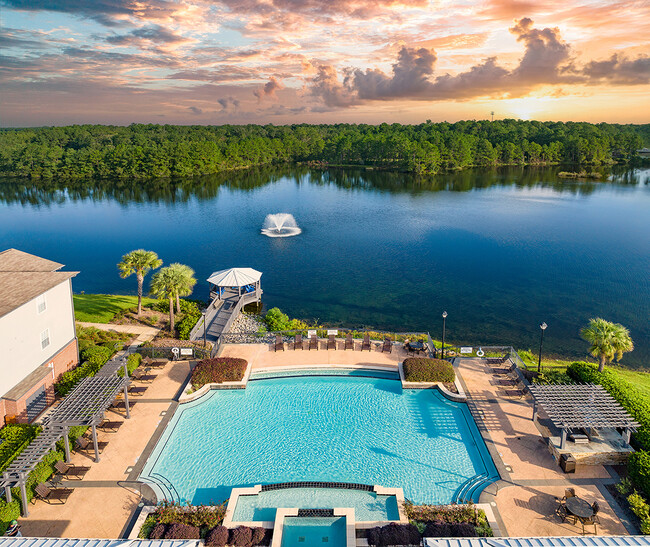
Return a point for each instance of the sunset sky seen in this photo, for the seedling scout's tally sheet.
(322, 61)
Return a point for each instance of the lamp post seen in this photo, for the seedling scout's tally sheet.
(205, 316)
(444, 320)
(539, 364)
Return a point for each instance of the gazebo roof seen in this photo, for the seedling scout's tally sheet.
(581, 406)
(235, 277)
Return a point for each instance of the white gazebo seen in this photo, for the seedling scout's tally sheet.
(247, 279)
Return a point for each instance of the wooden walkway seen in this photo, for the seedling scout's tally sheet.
(221, 315)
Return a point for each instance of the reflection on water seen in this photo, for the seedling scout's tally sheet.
(502, 250)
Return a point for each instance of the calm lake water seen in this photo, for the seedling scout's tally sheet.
(500, 250)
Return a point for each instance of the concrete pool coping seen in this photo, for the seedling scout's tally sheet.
(235, 493)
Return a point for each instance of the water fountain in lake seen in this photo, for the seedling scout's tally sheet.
(280, 225)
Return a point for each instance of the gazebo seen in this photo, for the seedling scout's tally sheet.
(246, 279)
(581, 406)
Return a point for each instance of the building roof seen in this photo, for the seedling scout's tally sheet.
(13, 260)
(235, 277)
(23, 277)
(568, 541)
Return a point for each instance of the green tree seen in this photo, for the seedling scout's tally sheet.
(140, 263)
(165, 284)
(185, 281)
(607, 339)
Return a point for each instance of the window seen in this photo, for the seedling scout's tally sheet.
(45, 338)
(41, 303)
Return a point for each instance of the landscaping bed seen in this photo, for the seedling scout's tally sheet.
(173, 521)
(423, 369)
(217, 371)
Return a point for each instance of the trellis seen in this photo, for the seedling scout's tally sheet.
(581, 406)
(85, 405)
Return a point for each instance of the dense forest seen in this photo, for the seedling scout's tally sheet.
(142, 151)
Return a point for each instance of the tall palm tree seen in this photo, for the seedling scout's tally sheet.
(185, 281)
(140, 263)
(164, 284)
(607, 339)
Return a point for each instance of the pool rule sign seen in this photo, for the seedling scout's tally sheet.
(466, 349)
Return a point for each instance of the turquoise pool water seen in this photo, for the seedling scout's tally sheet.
(304, 531)
(368, 506)
(319, 428)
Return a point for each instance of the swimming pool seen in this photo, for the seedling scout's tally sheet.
(336, 428)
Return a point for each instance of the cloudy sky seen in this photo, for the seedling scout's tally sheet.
(322, 61)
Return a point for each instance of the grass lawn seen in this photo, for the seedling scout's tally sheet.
(639, 378)
(100, 308)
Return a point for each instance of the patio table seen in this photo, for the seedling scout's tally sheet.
(579, 508)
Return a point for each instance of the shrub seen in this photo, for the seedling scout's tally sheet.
(217, 537)
(638, 466)
(158, 531)
(463, 530)
(8, 512)
(437, 530)
(15, 437)
(276, 321)
(639, 506)
(192, 314)
(418, 369)
(242, 536)
(97, 355)
(394, 534)
(207, 516)
(132, 362)
(179, 530)
(218, 370)
(258, 536)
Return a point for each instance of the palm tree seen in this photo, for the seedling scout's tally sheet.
(139, 262)
(607, 339)
(185, 280)
(164, 284)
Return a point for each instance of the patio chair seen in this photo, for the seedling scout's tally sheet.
(593, 519)
(84, 444)
(157, 364)
(366, 343)
(388, 346)
(331, 342)
(349, 342)
(297, 342)
(313, 342)
(67, 470)
(561, 508)
(279, 343)
(49, 494)
(108, 425)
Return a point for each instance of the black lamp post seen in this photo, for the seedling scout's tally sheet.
(444, 319)
(539, 364)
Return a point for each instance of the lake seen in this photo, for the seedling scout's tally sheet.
(500, 250)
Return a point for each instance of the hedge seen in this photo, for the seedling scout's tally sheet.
(218, 370)
(636, 403)
(182, 531)
(95, 358)
(15, 437)
(394, 534)
(449, 514)
(132, 362)
(217, 537)
(418, 369)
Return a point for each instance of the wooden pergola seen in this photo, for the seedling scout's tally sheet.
(85, 405)
(581, 406)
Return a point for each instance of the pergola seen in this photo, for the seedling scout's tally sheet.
(234, 278)
(84, 405)
(581, 406)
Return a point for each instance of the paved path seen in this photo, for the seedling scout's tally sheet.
(144, 334)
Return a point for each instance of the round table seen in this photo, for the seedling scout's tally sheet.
(578, 507)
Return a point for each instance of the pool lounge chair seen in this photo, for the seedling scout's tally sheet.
(137, 391)
(110, 425)
(366, 343)
(279, 343)
(388, 346)
(67, 470)
(313, 342)
(331, 342)
(84, 444)
(297, 342)
(49, 494)
(349, 342)
(142, 375)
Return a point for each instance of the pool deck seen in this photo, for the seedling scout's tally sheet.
(105, 500)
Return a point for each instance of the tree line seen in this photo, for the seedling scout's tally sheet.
(154, 151)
